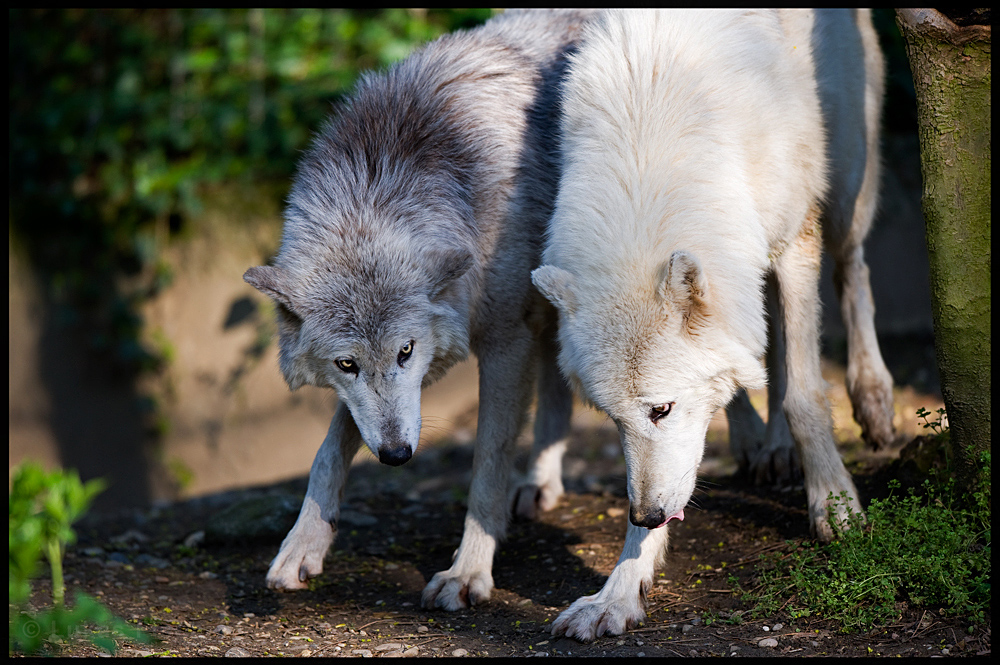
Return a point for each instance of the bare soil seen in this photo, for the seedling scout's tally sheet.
(401, 525)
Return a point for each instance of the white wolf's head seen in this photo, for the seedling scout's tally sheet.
(373, 321)
(654, 360)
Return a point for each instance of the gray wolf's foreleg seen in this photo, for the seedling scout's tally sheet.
(504, 394)
(302, 551)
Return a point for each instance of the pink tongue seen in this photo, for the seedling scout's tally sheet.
(679, 516)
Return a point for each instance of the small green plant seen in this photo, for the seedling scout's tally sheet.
(43, 507)
(939, 426)
(929, 547)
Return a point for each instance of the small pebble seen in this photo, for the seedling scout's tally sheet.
(458, 653)
(237, 652)
(768, 642)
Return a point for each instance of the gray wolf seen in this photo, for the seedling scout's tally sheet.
(701, 152)
(411, 230)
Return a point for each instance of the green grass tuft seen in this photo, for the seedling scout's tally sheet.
(929, 548)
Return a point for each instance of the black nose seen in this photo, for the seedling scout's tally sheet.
(648, 519)
(394, 455)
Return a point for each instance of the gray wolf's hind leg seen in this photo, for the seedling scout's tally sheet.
(302, 552)
(542, 487)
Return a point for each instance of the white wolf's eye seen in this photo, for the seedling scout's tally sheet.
(659, 411)
(346, 365)
(404, 353)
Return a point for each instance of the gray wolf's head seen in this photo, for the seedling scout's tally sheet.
(371, 327)
(654, 358)
(368, 283)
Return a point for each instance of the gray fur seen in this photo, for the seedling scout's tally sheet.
(414, 222)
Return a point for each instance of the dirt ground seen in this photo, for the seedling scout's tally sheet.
(199, 594)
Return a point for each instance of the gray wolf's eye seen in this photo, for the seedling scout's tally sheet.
(405, 353)
(346, 365)
(659, 411)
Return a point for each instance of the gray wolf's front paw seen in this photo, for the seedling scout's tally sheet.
(451, 590)
(301, 556)
(531, 499)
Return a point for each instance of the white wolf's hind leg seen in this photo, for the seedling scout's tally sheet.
(869, 382)
(621, 604)
(504, 393)
(541, 489)
(806, 406)
(302, 552)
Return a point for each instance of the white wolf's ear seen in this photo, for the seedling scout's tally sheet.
(683, 285)
(446, 266)
(556, 285)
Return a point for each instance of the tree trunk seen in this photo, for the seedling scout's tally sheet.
(951, 74)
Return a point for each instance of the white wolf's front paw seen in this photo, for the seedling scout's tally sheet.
(843, 506)
(301, 555)
(531, 499)
(453, 591)
(592, 616)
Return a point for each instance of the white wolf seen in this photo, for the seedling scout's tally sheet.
(411, 230)
(695, 164)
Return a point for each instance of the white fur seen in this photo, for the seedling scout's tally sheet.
(694, 164)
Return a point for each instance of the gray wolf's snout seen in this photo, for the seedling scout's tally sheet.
(649, 519)
(394, 454)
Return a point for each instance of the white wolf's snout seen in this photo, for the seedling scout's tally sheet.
(653, 517)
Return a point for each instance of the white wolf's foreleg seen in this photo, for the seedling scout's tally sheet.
(505, 380)
(543, 485)
(806, 406)
(302, 551)
(621, 604)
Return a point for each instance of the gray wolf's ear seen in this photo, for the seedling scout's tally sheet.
(556, 285)
(446, 266)
(684, 286)
(269, 281)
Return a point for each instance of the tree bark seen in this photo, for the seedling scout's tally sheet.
(951, 74)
